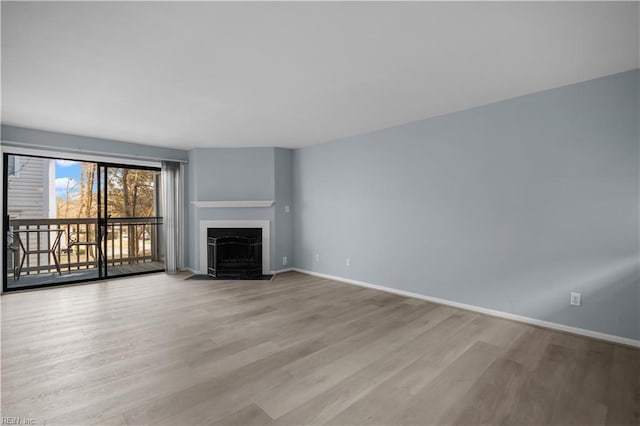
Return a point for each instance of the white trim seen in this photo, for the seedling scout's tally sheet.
(52, 207)
(190, 269)
(266, 240)
(228, 204)
(92, 156)
(527, 320)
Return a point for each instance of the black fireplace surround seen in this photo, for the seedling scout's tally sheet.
(234, 253)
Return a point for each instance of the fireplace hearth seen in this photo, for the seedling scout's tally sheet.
(234, 253)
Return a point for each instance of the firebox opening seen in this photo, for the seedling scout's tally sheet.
(234, 253)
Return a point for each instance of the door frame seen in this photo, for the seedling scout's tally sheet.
(103, 220)
(102, 263)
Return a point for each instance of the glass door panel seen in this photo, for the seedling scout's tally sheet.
(132, 220)
(51, 218)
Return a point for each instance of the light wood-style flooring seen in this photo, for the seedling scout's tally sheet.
(160, 350)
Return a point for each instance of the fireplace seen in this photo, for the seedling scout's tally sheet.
(234, 253)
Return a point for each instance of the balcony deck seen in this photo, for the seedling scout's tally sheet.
(129, 246)
(26, 281)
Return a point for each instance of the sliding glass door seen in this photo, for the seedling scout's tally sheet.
(69, 221)
(132, 220)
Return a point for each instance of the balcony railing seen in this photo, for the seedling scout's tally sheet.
(73, 244)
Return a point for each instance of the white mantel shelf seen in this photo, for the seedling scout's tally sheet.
(231, 204)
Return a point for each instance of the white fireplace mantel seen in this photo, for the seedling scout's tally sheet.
(266, 240)
(231, 204)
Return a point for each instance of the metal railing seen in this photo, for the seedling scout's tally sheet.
(124, 241)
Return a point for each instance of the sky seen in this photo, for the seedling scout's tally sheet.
(66, 171)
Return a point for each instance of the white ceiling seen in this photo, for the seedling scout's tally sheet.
(187, 75)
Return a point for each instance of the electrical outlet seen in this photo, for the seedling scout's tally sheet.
(348, 262)
(286, 209)
(576, 299)
(284, 260)
(318, 257)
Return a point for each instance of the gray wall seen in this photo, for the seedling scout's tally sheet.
(508, 206)
(233, 174)
(241, 174)
(62, 142)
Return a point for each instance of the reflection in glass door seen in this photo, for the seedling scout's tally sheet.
(70, 221)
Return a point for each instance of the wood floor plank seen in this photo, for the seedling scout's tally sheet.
(491, 397)
(323, 374)
(395, 403)
(163, 350)
(623, 392)
(250, 415)
(364, 382)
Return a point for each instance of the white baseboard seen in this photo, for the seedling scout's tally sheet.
(527, 320)
(186, 268)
